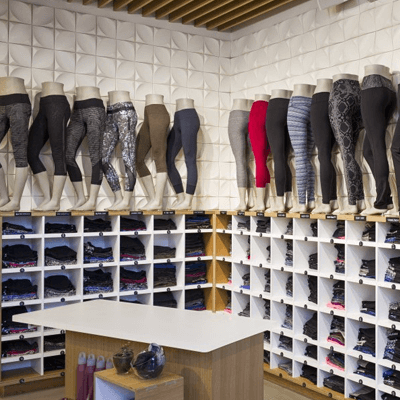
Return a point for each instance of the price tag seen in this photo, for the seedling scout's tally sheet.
(199, 212)
(281, 215)
(305, 216)
(241, 213)
(136, 213)
(360, 218)
(223, 212)
(168, 212)
(392, 219)
(260, 214)
(22, 214)
(100, 213)
(330, 216)
(63, 214)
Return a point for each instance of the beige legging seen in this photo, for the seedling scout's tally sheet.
(153, 135)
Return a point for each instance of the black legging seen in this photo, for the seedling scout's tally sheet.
(395, 149)
(183, 134)
(279, 140)
(324, 140)
(50, 123)
(377, 106)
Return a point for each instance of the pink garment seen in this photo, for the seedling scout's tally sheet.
(331, 364)
(80, 382)
(89, 373)
(332, 340)
(335, 306)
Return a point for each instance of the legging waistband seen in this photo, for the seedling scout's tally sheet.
(375, 81)
(58, 98)
(320, 97)
(89, 103)
(122, 106)
(279, 102)
(15, 98)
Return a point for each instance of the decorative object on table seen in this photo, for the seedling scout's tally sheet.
(122, 360)
(80, 376)
(150, 363)
(89, 372)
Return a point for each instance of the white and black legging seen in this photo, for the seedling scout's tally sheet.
(88, 118)
(183, 134)
(346, 122)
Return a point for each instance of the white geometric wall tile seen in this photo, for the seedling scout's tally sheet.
(383, 16)
(125, 31)
(65, 61)
(128, 85)
(179, 40)
(225, 83)
(322, 58)
(383, 41)
(196, 44)
(336, 32)
(20, 33)
(384, 58)
(43, 37)
(43, 58)
(351, 27)
(211, 81)
(142, 89)
(225, 48)
(144, 72)
(43, 16)
(65, 40)
(85, 44)
(238, 47)
(125, 50)
(106, 67)
(24, 73)
(308, 20)
(3, 53)
(20, 12)
(195, 62)
(322, 17)
(39, 76)
(144, 34)
(197, 95)
(107, 27)
(396, 37)
(106, 47)
(179, 58)
(260, 38)
(86, 80)
(211, 64)
(85, 64)
(125, 70)
(322, 36)
(86, 23)
(3, 9)
(105, 85)
(162, 37)
(366, 45)
(65, 19)
(161, 75)
(211, 118)
(309, 62)
(162, 56)
(211, 100)
(211, 46)
(196, 80)
(284, 29)
(144, 53)
(4, 31)
(253, 41)
(283, 69)
(163, 90)
(225, 66)
(351, 52)
(20, 55)
(179, 77)
(367, 22)
(178, 93)
(350, 8)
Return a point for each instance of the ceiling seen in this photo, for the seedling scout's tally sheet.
(211, 14)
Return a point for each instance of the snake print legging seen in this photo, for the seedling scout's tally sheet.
(345, 117)
(120, 125)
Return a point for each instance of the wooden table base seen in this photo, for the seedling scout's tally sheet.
(233, 372)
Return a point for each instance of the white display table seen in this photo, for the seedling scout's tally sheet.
(219, 356)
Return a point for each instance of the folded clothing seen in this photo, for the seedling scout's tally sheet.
(59, 228)
(246, 311)
(289, 253)
(368, 307)
(14, 229)
(244, 225)
(367, 269)
(391, 378)
(365, 368)
(127, 224)
(194, 245)
(393, 271)
(340, 260)
(93, 254)
(195, 300)
(164, 275)
(289, 286)
(392, 349)
(97, 281)
(310, 328)
(197, 222)
(285, 343)
(313, 287)
(54, 342)
(58, 286)
(246, 281)
(337, 332)
(393, 236)
(14, 348)
(161, 252)
(165, 299)
(289, 228)
(335, 360)
(267, 357)
(309, 373)
(9, 327)
(311, 351)
(54, 363)
(164, 224)
(368, 234)
(19, 256)
(288, 321)
(267, 309)
(338, 298)
(267, 276)
(364, 393)
(335, 383)
(195, 273)
(314, 228)
(268, 248)
(313, 261)
(96, 225)
(263, 226)
(59, 255)
(267, 336)
(366, 341)
(18, 290)
(340, 230)
(286, 366)
(132, 280)
(131, 249)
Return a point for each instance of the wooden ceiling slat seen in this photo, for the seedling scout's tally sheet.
(86, 2)
(204, 10)
(187, 10)
(254, 14)
(103, 3)
(119, 4)
(221, 11)
(137, 4)
(170, 8)
(154, 6)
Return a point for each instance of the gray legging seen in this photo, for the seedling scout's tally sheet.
(183, 134)
(241, 147)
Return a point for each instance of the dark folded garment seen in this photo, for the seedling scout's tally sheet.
(197, 222)
(54, 342)
(335, 383)
(60, 255)
(15, 348)
(161, 252)
(54, 363)
(309, 373)
(14, 229)
(131, 249)
(127, 224)
(18, 256)
(9, 327)
(59, 228)
(93, 254)
(96, 225)
(164, 224)
(165, 299)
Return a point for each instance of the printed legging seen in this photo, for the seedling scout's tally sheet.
(120, 126)
(258, 140)
(88, 118)
(395, 149)
(345, 117)
(299, 126)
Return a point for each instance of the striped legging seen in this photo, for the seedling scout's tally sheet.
(299, 126)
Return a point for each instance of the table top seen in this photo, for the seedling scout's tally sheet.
(199, 331)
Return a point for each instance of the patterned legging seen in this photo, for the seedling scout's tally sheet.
(299, 126)
(345, 117)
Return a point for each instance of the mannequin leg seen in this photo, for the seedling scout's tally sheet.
(58, 186)
(157, 201)
(44, 184)
(180, 198)
(118, 197)
(90, 205)
(242, 200)
(260, 200)
(148, 187)
(4, 199)
(80, 194)
(186, 204)
(21, 174)
(125, 203)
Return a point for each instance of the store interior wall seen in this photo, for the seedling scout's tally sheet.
(84, 46)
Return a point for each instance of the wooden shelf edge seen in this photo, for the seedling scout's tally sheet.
(28, 375)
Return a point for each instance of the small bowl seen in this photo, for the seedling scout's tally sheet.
(122, 362)
(150, 363)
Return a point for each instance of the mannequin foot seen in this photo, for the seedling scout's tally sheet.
(311, 205)
(153, 206)
(322, 209)
(78, 204)
(11, 206)
(393, 211)
(289, 201)
(334, 204)
(361, 205)
(120, 206)
(258, 207)
(3, 202)
(241, 207)
(251, 198)
(184, 205)
(43, 204)
(373, 211)
(52, 205)
(300, 208)
(88, 206)
(347, 210)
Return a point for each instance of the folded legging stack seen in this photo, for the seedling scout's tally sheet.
(368, 307)
(17, 348)
(365, 368)
(153, 135)
(88, 119)
(366, 341)
(132, 280)
(54, 363)
(164, 224)
(311, 351)
(58, 286)
(240, 143)
(14, 229)
(161, 252)
(367, 269)
(289, 286)
(93, 254)
(19, 290)
(131, 249)
(194, 245)
(60, 255)
(392, 349)
(309, 373)
(364, 393)
(313, 287)
(54, 342)
(335, 360)
(340, 230)
(394, 311)
(301, 138)
(19, 256)
(393, 270)
(289, 228)
(340, 262)
(393, 235)
(288, 321)
(195, 273)
(246, 281)
(183, 135)
(378, 102)
(97, 281)
(263, 226)
(197, 222)
(59, 228)
(286, 366)
(289, 253)
(165, 299)
(314, 228)
(127, 224)
(338, 298)
(395, 150)
(267, 337)
(346, 122)
(50, 124)
(368, 234)
(279, 141)
(259, 142)
(335, 383)
(195, 300)
(120, 127)
(244, 225)
(267, 309)
(164, 275)
(285, 343)
(267, 276)
(313, 261)
(246, 311)
(324, 141)
(337, 332)
(9, 327)
(310, 328)
(391, 378)
(267, 357)
(96, 225)
(15, 112)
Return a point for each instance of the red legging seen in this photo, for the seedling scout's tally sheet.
(258, 139)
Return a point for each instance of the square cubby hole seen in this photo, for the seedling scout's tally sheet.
(172, 241)
(357, 294)
(101, 292)
(103, 225)
(238, 272)
(223, 272)
(298, 369)
(159, 283)
(239, 303)
(333, 394)
(260, 281)
(381, 232)
(52, 231)
(74, 243)
(261, 309)
(325, 293)
(303, 229)
(327, 228)
(355, 255)
(302, 252)
(74, 277)
(137, 224)
(355, 231)
(172, 223)
(127, 257)
(282, 343)
(325, 325)
(381, 369)
(386, 297)
(301, 316)
(223, 222)
(281, 362)
(302, 351)
(352, 387)
(260, 255)
(279, 249)
(305, 291)
(352, 333)
(35, 224)
(282, 226)
(126, 287)
(34, 244)
(382, 264)
(353, 364)
(178, 295)
(36, 281)
(136, 299)
(279, 318)
(261, 224)
(327, 255)
(102, 242)
(241, 248)
(282, 286)
(240, 223)
(325, 366)
(223, 298)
